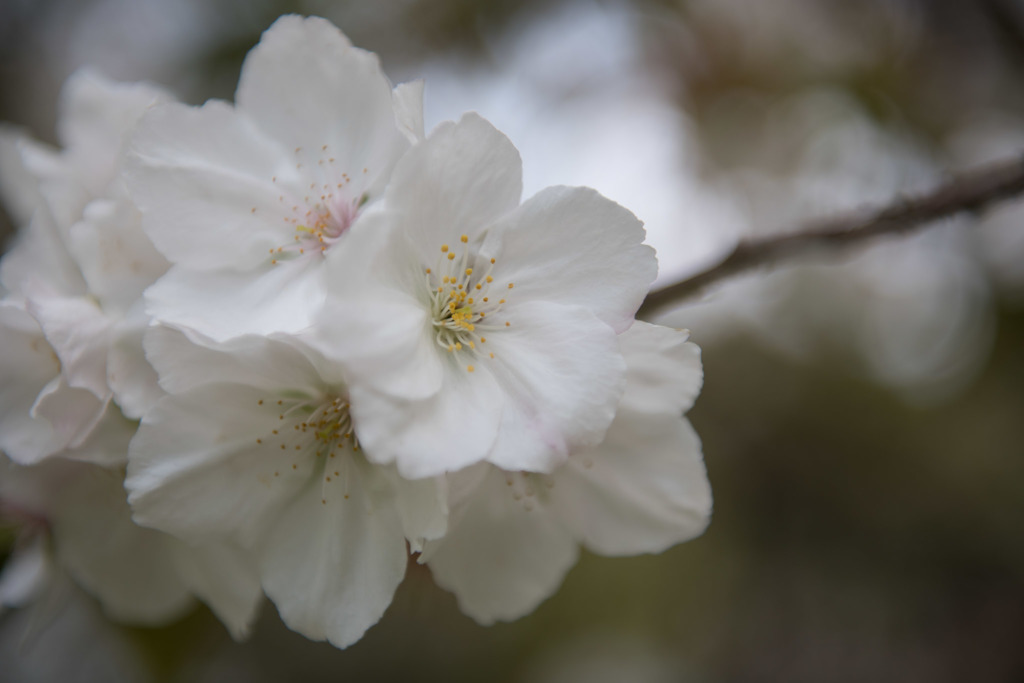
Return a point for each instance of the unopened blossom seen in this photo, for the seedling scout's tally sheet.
(246, 200)
(473, 327)
(73, 520)
(71, 319)
(254, 443)
(513, 535)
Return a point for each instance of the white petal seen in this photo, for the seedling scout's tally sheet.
(25, 573)
(130, 569)
(107, 442)
(197, 174)
(188, 360)
(129, 375)
(39, 259)
(196, 470)
(78, 332)
(499, 558)
(642, 490)
(572, 246)
(71, 412)
(332, 567)
(408, 100)
(373, 321)
(386, 343)
(307, 87)
(461, 178)
(117, 259)
(663, 370)
(423, 506)
(96, 116)
(227, 304)
(27, 365)
(454, 428)
(18, 187)
(564, 375)
(224, 578)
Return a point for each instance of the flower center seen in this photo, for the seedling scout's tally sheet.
(529, 488)
(324, 213)
(321, 426)
(462, 304)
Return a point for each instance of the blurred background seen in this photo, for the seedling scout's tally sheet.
(863, 412)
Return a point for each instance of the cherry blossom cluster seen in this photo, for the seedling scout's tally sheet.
(280, 347)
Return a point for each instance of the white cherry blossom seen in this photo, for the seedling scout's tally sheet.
(475, 328)
(254, 443)
(513, 535)
(74, 520)
(71, 319)
(245, 200)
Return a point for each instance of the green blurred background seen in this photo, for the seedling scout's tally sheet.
(863, 413)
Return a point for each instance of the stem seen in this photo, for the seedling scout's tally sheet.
(971, 191)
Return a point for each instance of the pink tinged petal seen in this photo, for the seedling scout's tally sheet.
(204, 179)
(79, 333)
(27, 365)
(25, 573)
(663, 370)
(460, 179)
(205, 464)
(501, 556)
(408, 102)
(223, 305)
(96, 116)
(117, 259)
(563, 375)
(128, 568)
(642, 490)
(306, 87)
(446, 432)
(572, 246)
(331, 563)
(225, 579)
(187, 360)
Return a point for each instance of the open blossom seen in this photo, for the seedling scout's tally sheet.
(74, 519)
(513, 535)
(477, 328)
(245, 200)
(71, 320)
(254, 443)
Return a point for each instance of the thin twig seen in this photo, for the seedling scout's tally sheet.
(970, 191)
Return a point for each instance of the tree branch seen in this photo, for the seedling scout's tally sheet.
(970, 191)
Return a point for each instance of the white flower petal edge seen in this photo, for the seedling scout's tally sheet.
(253, 445)
(521, 370)
(501, 557)
(252, 196)
(513, 535)
(139, 576)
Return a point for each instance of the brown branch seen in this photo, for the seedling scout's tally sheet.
(971, 191)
